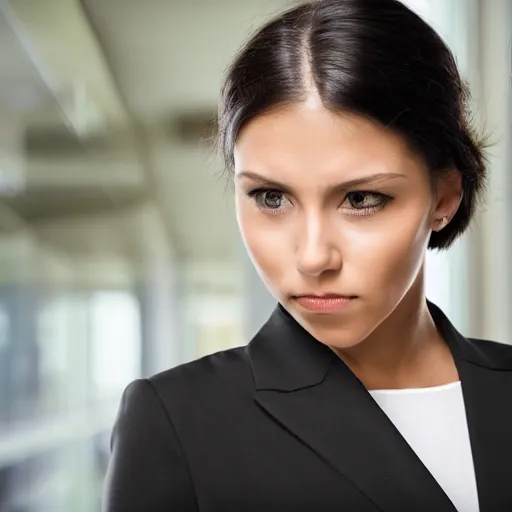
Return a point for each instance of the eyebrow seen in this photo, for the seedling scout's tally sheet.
(372, 178)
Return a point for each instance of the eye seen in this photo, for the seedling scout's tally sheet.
(364, 203)
(273, 201)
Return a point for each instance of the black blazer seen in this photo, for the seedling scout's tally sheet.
(283, 425)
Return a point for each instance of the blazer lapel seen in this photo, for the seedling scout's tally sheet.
(314, 395)
(485, 370)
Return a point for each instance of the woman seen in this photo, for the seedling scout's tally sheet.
(344, 124)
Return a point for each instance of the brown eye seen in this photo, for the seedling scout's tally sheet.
(359, 200)
(272, 199)
(364, 203)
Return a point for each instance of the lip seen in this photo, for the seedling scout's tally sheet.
(328, 303)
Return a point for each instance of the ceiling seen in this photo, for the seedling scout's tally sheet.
(168, 59)
(113, 97)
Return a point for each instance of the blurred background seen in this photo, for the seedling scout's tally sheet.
(119, 254)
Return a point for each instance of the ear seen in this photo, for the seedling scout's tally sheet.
(448, 196)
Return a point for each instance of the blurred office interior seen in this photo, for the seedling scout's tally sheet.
(119, 253)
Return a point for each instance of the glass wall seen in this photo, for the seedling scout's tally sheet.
(65, 358)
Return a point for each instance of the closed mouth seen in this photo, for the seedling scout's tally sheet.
(325, 296)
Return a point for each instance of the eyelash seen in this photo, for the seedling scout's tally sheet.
(258, 195)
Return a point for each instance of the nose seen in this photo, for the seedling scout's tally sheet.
(317, 250)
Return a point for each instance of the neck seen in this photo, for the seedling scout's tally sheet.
(405, 351)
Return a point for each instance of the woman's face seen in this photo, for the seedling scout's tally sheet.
(336, 213)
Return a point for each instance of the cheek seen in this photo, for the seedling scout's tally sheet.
(390, 251)
(266, 242)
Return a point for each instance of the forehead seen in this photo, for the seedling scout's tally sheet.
(309, 142)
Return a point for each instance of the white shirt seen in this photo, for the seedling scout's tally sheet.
(433, 422)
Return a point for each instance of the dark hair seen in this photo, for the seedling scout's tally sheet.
(375, 58)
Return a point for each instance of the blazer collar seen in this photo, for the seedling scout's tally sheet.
(285, 357)
(306, 388)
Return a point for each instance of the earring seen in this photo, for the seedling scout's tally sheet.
(442, 222)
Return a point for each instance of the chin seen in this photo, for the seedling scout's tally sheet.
(337, 339)
(333, 330)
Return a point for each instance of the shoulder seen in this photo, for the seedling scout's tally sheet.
(210, 369)
(220, 377)
(493, 354)
(208, 390)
